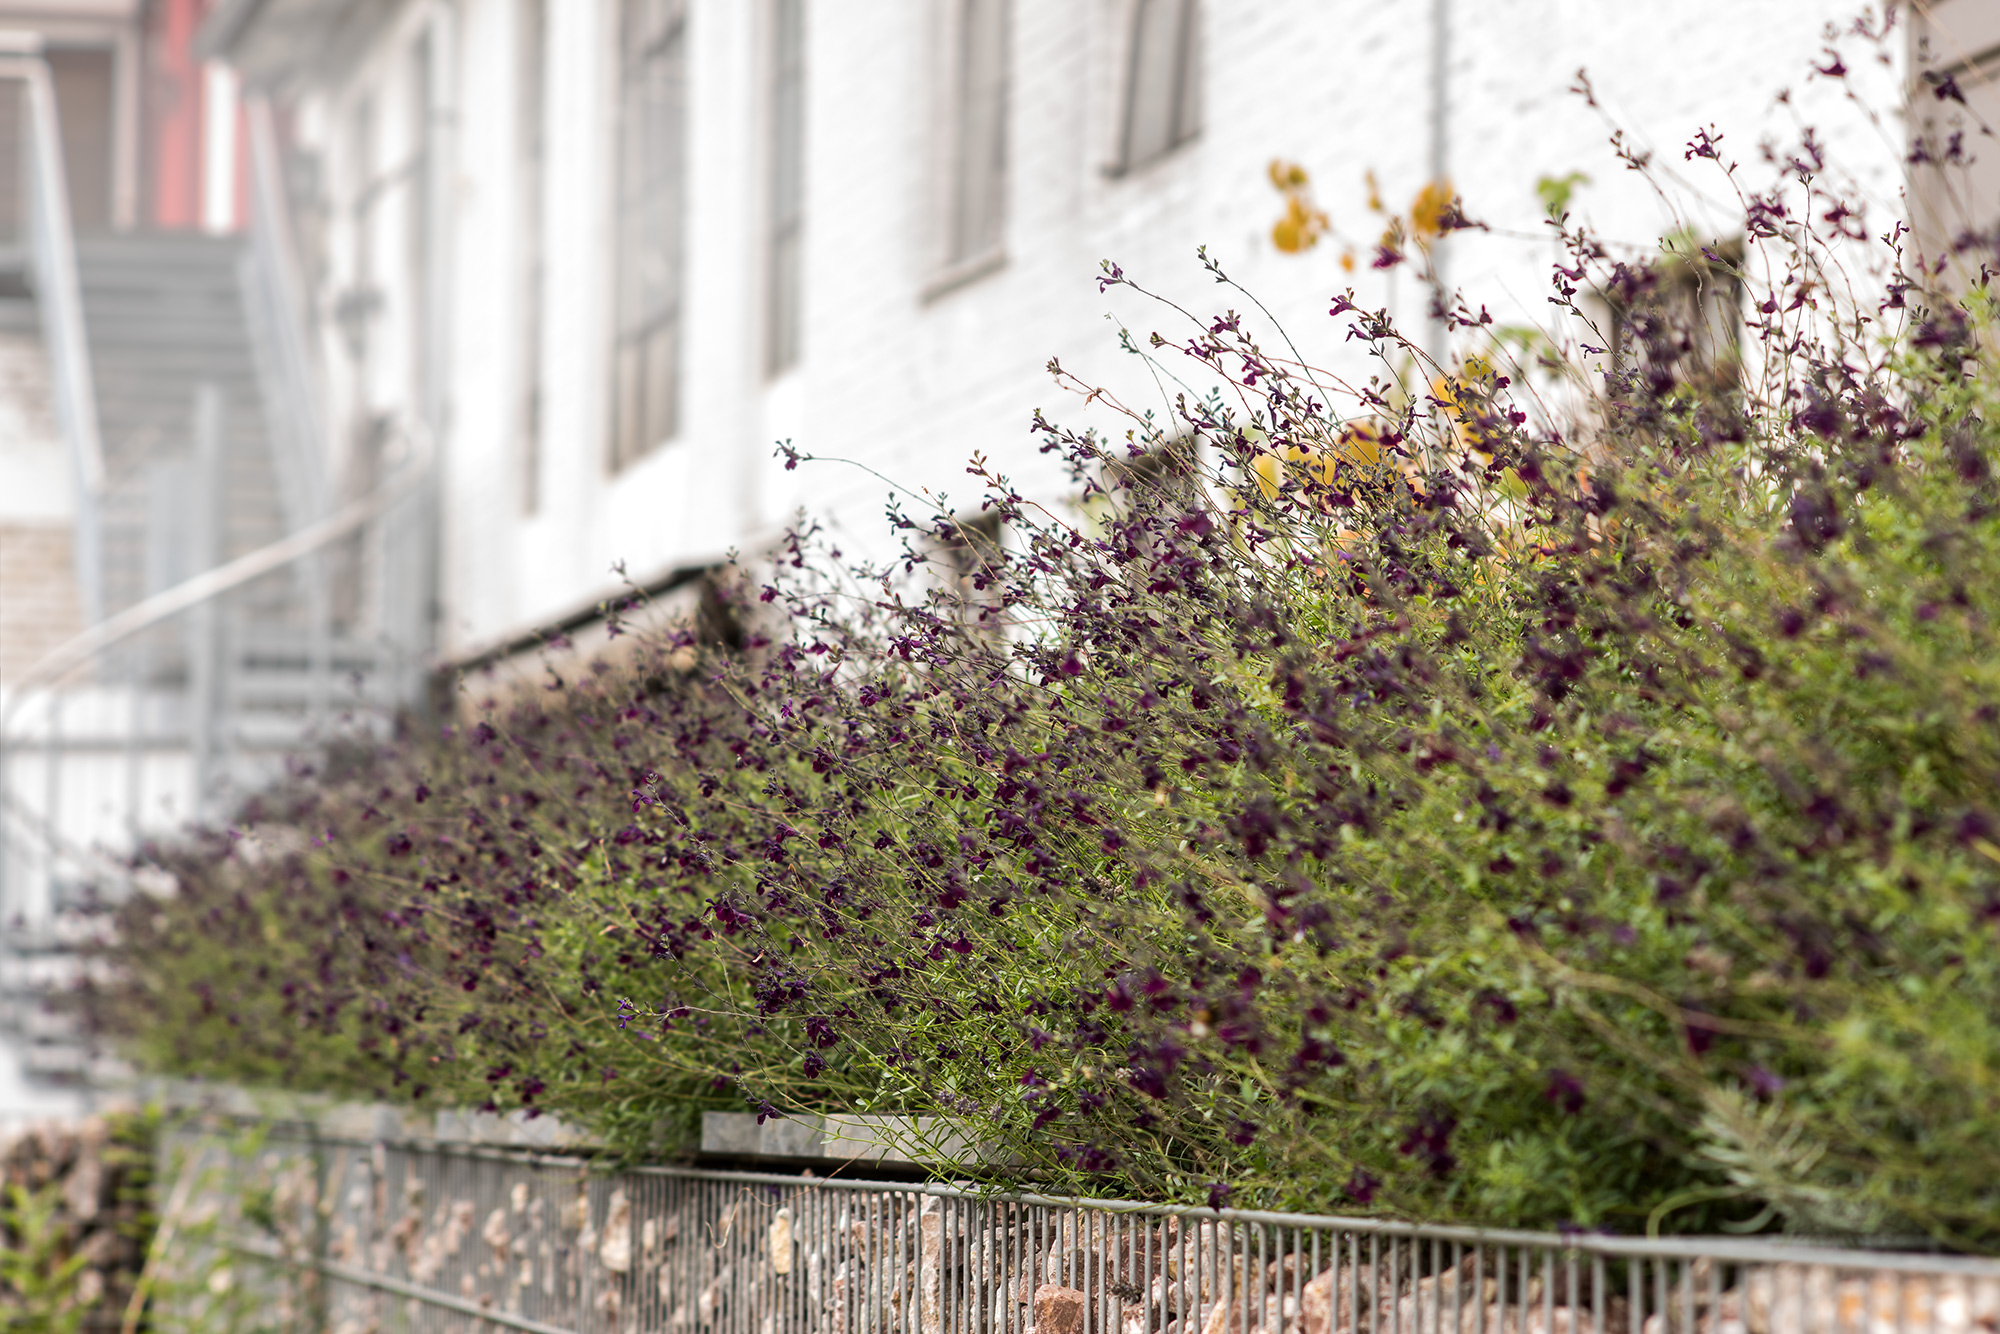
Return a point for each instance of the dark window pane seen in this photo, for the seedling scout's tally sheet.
(785, 294)
(82, 78)
(417, 216)
(530, 108)
(13, 124)
(652, 156)
(787, 202)
(1161, 87)
(626, 401)
(981, 151)
(662, 388)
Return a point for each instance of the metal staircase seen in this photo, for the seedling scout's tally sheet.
(192, 482)
(164, 314)
(238, 619)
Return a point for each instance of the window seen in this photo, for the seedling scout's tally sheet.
(86, 115)
(972, 563)
(1164, 479)
(787, 181)
(530, 110)
(1162, 83)
(354, 309)
(1954, 178)
(417, 223)
(652, 179)
(1677, 323)
(978, 125)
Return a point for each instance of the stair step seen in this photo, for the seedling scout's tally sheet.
(163, 313)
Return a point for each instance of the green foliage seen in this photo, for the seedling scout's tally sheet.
(64, 1261)
(1555, 192)
(38, 1275)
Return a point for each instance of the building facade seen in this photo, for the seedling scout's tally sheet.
(610, 251)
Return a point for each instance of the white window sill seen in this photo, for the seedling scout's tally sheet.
(962, 274)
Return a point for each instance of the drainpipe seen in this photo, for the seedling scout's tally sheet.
(1440, 163)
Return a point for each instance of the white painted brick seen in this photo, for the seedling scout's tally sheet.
(911, 387)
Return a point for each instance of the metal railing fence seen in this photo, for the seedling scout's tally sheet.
(353, 1237)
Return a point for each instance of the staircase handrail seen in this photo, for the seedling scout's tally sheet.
(299, 398)
(53, 667)
(59, 299)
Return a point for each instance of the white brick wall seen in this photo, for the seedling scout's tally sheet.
(39, 606)
(912, 386)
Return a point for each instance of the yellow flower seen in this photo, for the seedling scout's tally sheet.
(1300, 228)
(1269, 472)
(1361, 443)
(1428, 210)
(1287, 176)
(1303, 223)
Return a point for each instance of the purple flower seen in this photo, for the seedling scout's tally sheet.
(1565, 1092)
(1430, 1140)
(1766, 1083)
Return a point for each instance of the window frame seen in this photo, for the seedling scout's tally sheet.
(961, 255)
(1183, 103)
(975, 551)
(1700, 299)
(531, 144)
(635, 342)
(785, 93)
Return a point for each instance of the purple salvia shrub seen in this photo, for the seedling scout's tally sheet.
(1444, 794)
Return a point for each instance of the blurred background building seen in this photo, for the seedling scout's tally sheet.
(350, 348)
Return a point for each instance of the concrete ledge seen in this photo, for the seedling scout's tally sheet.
(364, 1120)
(902, 1141)
(827, 1142)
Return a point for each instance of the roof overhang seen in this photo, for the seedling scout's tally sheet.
(268, 41)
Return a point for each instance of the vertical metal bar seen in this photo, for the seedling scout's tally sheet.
(1104, 1264)
(1253, 1277)
(203, 624)
(1548, 1289)
(1478, 1290)
(1237, 1240)
(1353, 1281)
(41, 919)
(1395, 1294)
(1006, 1275)
(135, 741)
(1185, 1295)
(1374, 1282)
(1332, 1293)
(1459, 1287)
(1290, 1277)
(1195, 1275)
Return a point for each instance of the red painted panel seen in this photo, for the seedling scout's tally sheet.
(173, 114)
